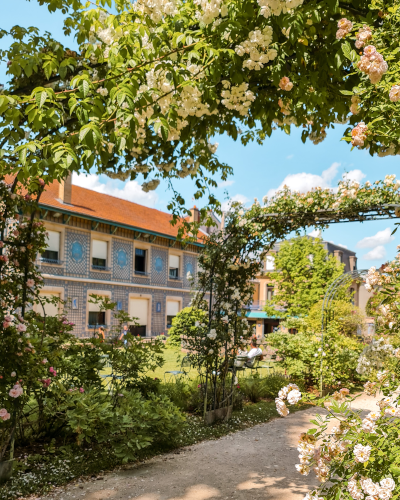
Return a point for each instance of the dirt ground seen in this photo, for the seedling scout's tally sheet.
(257, 463)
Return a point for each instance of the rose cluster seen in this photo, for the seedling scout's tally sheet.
(345, 26)
(256, 46)
(372, 64)
(358, 134)
(363, 36)
(285, 84)
(237, 98)
(277, 7)
(292, 394)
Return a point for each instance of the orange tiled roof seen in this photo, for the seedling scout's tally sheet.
(111, 209)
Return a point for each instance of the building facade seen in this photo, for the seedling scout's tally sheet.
(98, 244)
(264, 289)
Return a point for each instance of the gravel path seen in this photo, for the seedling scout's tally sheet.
(256, 463)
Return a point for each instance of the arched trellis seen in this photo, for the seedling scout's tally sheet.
(343, 281)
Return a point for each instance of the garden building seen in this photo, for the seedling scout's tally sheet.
(264, 289)
(99, 244)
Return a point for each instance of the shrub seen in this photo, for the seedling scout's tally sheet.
(189, 320)
(255, 388)
(301, 356)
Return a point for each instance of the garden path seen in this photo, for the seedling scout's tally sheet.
(254, 464)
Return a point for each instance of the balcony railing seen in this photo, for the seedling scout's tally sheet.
(43, 260)
(175, 278)
(141, 274)
(100, 268)
(256, 305)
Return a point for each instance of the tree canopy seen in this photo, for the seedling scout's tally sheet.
(303, 270)
(155, 80)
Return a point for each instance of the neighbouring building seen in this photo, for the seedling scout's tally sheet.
(264, 289)
(99, 244)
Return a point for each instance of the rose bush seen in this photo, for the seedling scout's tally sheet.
(359, 456)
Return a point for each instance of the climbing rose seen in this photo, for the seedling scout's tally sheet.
(285, 84)
(4, 415)
(394, 93)
(16, 391)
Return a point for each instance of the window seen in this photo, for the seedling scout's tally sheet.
(270, 263)
(140, 261)
(52, 252)
(172, 311)
(138, 310)
(99, 254)
(270, 292)
(174, 267)
(96, 317)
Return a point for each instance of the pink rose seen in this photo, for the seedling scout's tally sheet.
(44, 361)
(16, 391)
(4, 258)
(21, 327)
(6, 324)
(81, 390)
(4, 415)
(30, 283)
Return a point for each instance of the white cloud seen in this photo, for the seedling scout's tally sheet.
(289, 157)
(225, 183)
(238, 197)
(304, 182)
(354, 175)
(130, 191)
(315, 233)
(381, 238)
(377, 253)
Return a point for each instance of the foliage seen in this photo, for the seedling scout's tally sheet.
(187, 320)
(152, 83)
(301, 356)
(255, 388)
(359, 456)
(346, 317)
(303, 271)
(38, 471)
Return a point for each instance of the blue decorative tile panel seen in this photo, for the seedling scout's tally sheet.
(77, 252)
(189, 266)
(122, 260)
(159, 266)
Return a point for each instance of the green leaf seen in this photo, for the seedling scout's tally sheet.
(346, 92)
(84, 87)
(41, 98)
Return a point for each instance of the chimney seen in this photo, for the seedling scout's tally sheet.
(223, 222)
(65, 190)
(353, 262)
(195, 214)
(338, 255)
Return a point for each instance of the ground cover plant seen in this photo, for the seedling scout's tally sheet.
(42, 467)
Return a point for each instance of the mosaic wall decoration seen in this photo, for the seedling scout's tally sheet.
(77, 252)
(122, 260)
(119, 293)
(159, 266)
(189, 266)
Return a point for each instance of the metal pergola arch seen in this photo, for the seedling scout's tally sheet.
(342, 281)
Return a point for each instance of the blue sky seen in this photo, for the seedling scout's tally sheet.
(258, 170)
